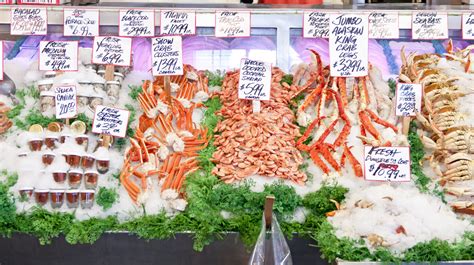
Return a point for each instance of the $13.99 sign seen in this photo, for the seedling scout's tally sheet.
(387, 163)
(167, 55)
(255, 80)
(110, 121)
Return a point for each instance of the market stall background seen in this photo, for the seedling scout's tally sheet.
(276, 37)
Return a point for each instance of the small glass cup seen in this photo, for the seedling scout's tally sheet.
(103, 165)
(45, 85)
(87, 199)
(87, 161)
(50, 141)
(72, 198)
(35, 144)
(57, 198)
(74, 160)
(26, 193)
(60, 176)
(82, 140)
(90, 179)
(75, 178)
(41, 196)
(63, 137)
(48, 158)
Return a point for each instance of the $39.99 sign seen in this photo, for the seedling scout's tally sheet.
(66, 102)
(408, 99)
(167, 55)
(110, 121)
(387, 163)
(255, 80)
(112, 50)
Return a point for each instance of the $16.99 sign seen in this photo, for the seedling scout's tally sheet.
(255, 80)
(387, 163)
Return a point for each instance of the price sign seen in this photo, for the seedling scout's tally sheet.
(66, 102)
(137, 23)
(387, 163)
(28, 21)
(348, 44)
(5, 2)
(177, 22)
(408, 99)
(110, 121)
(112, 50)
(232, 24)
(58, 55)
(315, 24)
(81, 22)
(468, 26)
(428, 25)
(255, 80)
(1, 58)
(383, 25)
(167, 55)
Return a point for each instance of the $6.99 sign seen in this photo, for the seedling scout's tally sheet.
(387, 163)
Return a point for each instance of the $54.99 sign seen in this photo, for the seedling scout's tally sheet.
(255, 80)
(387, 163)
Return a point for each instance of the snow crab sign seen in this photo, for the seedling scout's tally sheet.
(110, 121)
(167, 55)
(387, 163)
(348, 45)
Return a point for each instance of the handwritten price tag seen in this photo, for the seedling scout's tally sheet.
(177, 22)
(1, 58)
(112, 50)
(137, 23)
(66, 102)
(28, 21)
(315, 24)
(468, 26)
(348, 44)
(110, 121)
(167, 55)
(58, 56)
(387, 163)
(428, 25)
(81, 22)
(255, 80)
(383, 25)
(408, 99)
(232, 24)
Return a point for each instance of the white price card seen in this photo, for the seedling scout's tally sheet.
(167, 55)
(255, 79)
(232, 24)
(58, 55)
(173, 22)
(468, 26)
(81, 22)
(408, 98)
(28, 21)
(429, 25)
(387, 163)
(1, 58)
(137, 23)
(110, 121)
(383, 25)
(66, 102)
(315, 24)
(6, 2)
(112, 50)
(348, 44)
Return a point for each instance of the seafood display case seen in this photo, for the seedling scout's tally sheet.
(124, 133)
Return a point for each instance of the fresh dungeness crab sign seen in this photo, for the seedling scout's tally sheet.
(112, 50)
(66, 102)
(232, 24)
(408, 99)
(167, 55)
(428, 25)
(177, 22)
(468, 26)
(387, 163)
(110, 121)
(58, 56)
(348, 44)
(315, 24)
(28, 21)
(383, 25)
(137, 23)
(255, 80)
(81, 22)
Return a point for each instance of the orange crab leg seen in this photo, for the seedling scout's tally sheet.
(343, 135)
(314, 156)
(380, 121)
(365, 121)
(325, 134)
(355, 164)
(341, 84)
(324, 151)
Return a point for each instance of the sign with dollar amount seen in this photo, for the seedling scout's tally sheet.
(58, 55)
(232, 24)
(348, 44)
(28, 21)
(468, 26)
(383, 25)
(81, 22)
(167, 55)
(1, 57)
(315, 24)
(387, 163)
(66, 102)
(255, 80)
(177, 22)
(429, 25)
(137, 23)
(112, 50)
(110, 121)
(408, 99)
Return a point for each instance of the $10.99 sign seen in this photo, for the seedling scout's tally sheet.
(387, 163)
(255, 80)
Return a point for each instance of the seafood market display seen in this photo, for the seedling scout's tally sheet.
(5, 122)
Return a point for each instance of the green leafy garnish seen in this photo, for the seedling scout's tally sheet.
(288, 78)
(134, 91)
(216, 78)
(106, 197)
(392, 84)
